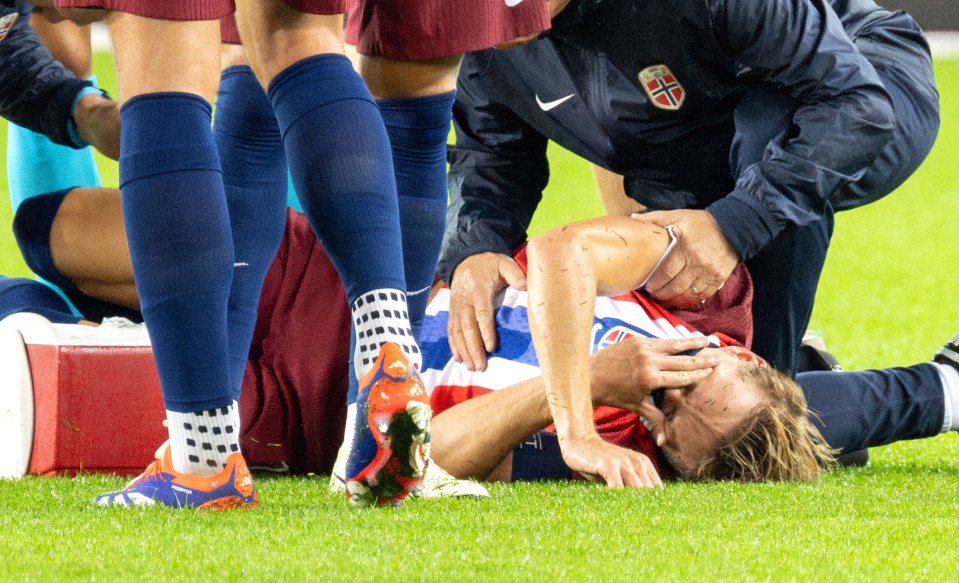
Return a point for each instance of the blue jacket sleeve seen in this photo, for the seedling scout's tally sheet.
(36, 91)
(843, 120)
(498, 171)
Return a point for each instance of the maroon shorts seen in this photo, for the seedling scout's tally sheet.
(424, 29)
(159, 9)
(228, 32)
(196, 9)
(293, 404)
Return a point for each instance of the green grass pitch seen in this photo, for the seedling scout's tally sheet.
(888, 296)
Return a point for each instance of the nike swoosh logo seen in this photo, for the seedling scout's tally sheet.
(548, 105)
(512, 3)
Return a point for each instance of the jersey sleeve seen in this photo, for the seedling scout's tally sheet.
(498, 170)
(36, 91)
(843, 120)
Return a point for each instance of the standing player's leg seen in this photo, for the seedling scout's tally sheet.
(180, 244)
(416, 101)
(254, 179)
(340, 162)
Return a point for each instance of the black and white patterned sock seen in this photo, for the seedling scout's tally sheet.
(201, 442)
(381, 316)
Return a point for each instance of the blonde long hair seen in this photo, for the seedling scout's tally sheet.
(777, 442)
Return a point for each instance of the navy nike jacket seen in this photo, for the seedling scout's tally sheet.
(648, 89)
(36, 91)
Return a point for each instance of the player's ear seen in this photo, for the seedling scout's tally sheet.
(744, 354)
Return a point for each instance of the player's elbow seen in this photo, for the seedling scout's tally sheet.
(556, 246)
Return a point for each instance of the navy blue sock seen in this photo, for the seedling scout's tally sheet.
(180, 243)
(418, 129)
(254, 178)
(342, 169)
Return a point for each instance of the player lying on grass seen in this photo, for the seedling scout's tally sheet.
(297, 402)
(67, 218)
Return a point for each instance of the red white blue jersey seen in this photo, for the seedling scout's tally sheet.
(615, 319)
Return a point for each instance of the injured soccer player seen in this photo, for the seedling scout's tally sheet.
(711, 409)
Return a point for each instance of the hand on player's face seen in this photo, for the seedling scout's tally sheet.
(623, 374)
(696, 420)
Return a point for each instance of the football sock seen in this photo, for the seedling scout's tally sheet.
(180, 244)
(341, 167)
(949, 375)
(36, 165)
(418, 129)
(201, 442)
(255, 182)
(381, 316)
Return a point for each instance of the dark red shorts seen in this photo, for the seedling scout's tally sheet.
(424, 29)
(293, 404)
(228, 32)
(196, 9)
(159, 9)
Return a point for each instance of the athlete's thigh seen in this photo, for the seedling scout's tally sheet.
(154, 55)
(278, 33)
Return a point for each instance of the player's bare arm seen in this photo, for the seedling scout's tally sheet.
(568, 267)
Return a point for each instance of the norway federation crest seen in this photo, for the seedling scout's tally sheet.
(662, 87)
(6, 23)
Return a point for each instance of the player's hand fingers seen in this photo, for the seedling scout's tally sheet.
(651, 476)
(655, 420)
(613, 478)
(661, 282)
(454, 336)
(632, 474)
(675, 379)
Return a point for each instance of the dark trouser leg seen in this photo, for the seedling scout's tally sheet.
(785, 275)
(786, 272)
(856, 410)
(905, 69)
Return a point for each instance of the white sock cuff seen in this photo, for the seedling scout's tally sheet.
(950, 393)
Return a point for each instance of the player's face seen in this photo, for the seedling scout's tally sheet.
(701, 418)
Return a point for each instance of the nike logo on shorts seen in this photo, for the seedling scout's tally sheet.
(548, 105)
(512, 3)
